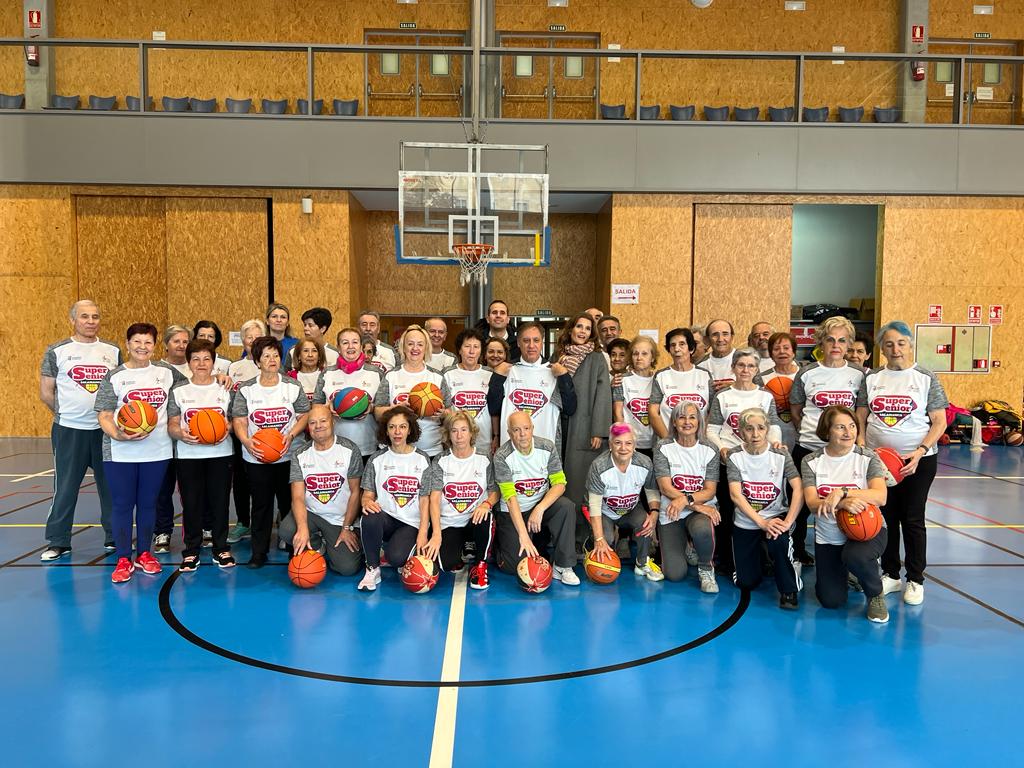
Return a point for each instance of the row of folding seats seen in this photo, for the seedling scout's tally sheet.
(347, 107)
(753, 114)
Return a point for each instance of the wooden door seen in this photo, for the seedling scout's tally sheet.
(574, 80)
(525, 80)
(390, 78)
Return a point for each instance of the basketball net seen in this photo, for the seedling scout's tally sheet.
(473, 259)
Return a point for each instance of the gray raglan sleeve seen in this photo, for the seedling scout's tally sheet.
(369, 481)
(49, 365)
(661, 465)
(106, 400)
(295, 471)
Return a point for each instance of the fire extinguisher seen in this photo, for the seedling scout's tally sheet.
(917, 71)
(32, 54)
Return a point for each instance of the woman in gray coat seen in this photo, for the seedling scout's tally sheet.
(583, 433)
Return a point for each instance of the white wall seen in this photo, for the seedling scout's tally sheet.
(834, 249)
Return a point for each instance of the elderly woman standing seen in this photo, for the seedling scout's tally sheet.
(903, 406)
(583, 432)
(239, 371)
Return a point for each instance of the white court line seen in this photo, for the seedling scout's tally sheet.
(44, 473)
(979, 477)
(442, 747)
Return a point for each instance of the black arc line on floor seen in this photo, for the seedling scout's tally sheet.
(174, 623)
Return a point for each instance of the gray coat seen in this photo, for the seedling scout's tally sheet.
(593, 418)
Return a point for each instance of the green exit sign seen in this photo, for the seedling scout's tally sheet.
(407, 25)
(556, 27)
(982, 35)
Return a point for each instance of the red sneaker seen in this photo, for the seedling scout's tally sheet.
(148, 564)
(123, 572)
(478, 577)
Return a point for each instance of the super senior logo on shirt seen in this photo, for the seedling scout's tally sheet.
(528, 400)
(88, 377)
(462, 495)
(759, 494)
(276, 418)
(323, 486)
(892, 409)
(155, 396)
(402, 488)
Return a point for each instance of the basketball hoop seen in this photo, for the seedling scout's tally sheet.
(473, 259)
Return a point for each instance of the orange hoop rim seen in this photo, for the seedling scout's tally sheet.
(472, 250)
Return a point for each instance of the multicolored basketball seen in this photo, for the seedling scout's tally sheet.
(419, 574)
(534, 574)
(208, 426)
(602, 571)
(893, 463)
(307, 569)
(860, 526)
(425, 399)
(1013, 437)
(137, 417)
(780, 387)
(350, 402)
(270, 443)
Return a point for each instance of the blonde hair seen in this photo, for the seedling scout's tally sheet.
(173, 330)
(254, 323)
(830, 323)
(649, 342)
(449, 421)
(747, 414)
(414, 329)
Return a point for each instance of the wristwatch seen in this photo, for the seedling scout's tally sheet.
(689, 499)
(846, 492)
(348, 527)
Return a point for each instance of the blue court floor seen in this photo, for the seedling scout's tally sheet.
(239, 667)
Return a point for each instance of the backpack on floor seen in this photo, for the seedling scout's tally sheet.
(998, 411)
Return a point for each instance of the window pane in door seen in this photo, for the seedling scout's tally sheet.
(524, 66)
(389, 63)
(944, 72)
(439, 64)
(574, 66)
(992, 73)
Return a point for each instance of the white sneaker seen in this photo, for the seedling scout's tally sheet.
(708, 582)
(370, 580)
(691, 555)
(649, 570)
(567, 576)
(914, 593)
(162, 543)
(890, 585)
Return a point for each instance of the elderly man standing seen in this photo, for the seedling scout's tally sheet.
(70, 375)
(439, 358)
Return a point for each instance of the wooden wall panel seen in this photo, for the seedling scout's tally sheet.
(956, 19)
(651, 244)
(358, 259)
(742, 262)
(122, 261)
(12, 60)
(311, 254)
(955, 252)
(216, 262)
(37, 288)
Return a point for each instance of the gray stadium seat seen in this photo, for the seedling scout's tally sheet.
(781, 114)
(12, 100)
(103, 102)
(716, 114)
(887, 114)
(851, 114)
(650, 113)
(347, 107)
(747, 114)
(318, 106)
(65, 102)
(203, 105)
(613, 111)
(172, 104)
(274, 106)
(238, 106)
(815, 114)
(134, 103)
(683, 113)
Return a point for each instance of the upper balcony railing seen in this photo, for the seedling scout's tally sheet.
(519, 83)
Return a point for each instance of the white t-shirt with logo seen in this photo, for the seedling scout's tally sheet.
(720, 369)
(395, 389)
(620, 491)
(78, 368)
(308, 380)
(726, 407)
(442, 360)
(187, 398)
(898, 403)
(763, 478)
(467, 391)
(274, 407)
(361, 430)
(816, 387)
(689, 467)
(463, 485)
(672, 387)
(396, 479)
(533, 389)
(635, 395)
(325, 475)
(826, 473)
(151, 384)
(385, 359)
(527, 476)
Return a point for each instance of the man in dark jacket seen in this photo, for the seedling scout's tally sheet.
(498, 324)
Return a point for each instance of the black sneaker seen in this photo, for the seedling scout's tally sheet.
(54, 553)
(805, 558)
(109, 546)
(789, 601)
(257, 561)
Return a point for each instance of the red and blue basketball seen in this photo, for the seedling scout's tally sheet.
(350, 402)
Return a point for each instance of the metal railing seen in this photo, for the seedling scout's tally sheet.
(800, 61)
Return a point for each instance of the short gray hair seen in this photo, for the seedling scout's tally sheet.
(81, 303)
(173, 330)
(894, 325)
(678, 410)
(746, 352)
(747, 414)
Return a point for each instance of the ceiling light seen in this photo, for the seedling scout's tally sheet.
(701, 3)
(984, 10)
(795, 5)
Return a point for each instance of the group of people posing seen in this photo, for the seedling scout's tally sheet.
(713, 461)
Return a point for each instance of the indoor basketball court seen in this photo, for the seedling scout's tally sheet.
(352, 243)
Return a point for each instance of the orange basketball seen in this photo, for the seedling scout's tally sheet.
(307, 569)
(780, 388)
(137, 417)
(419, 574)
(271, 444)
(208, 425)
(425, 399)
(602, 571)
(860, 526)
(893, 463)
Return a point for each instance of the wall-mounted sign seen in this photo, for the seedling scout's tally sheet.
(982, 35)
(626, 294)
(974, 314)
(917, 33)
(407, 25)
(556, 27)
(984, 93)
(934, 313)
(35, 18)
(995, 314)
